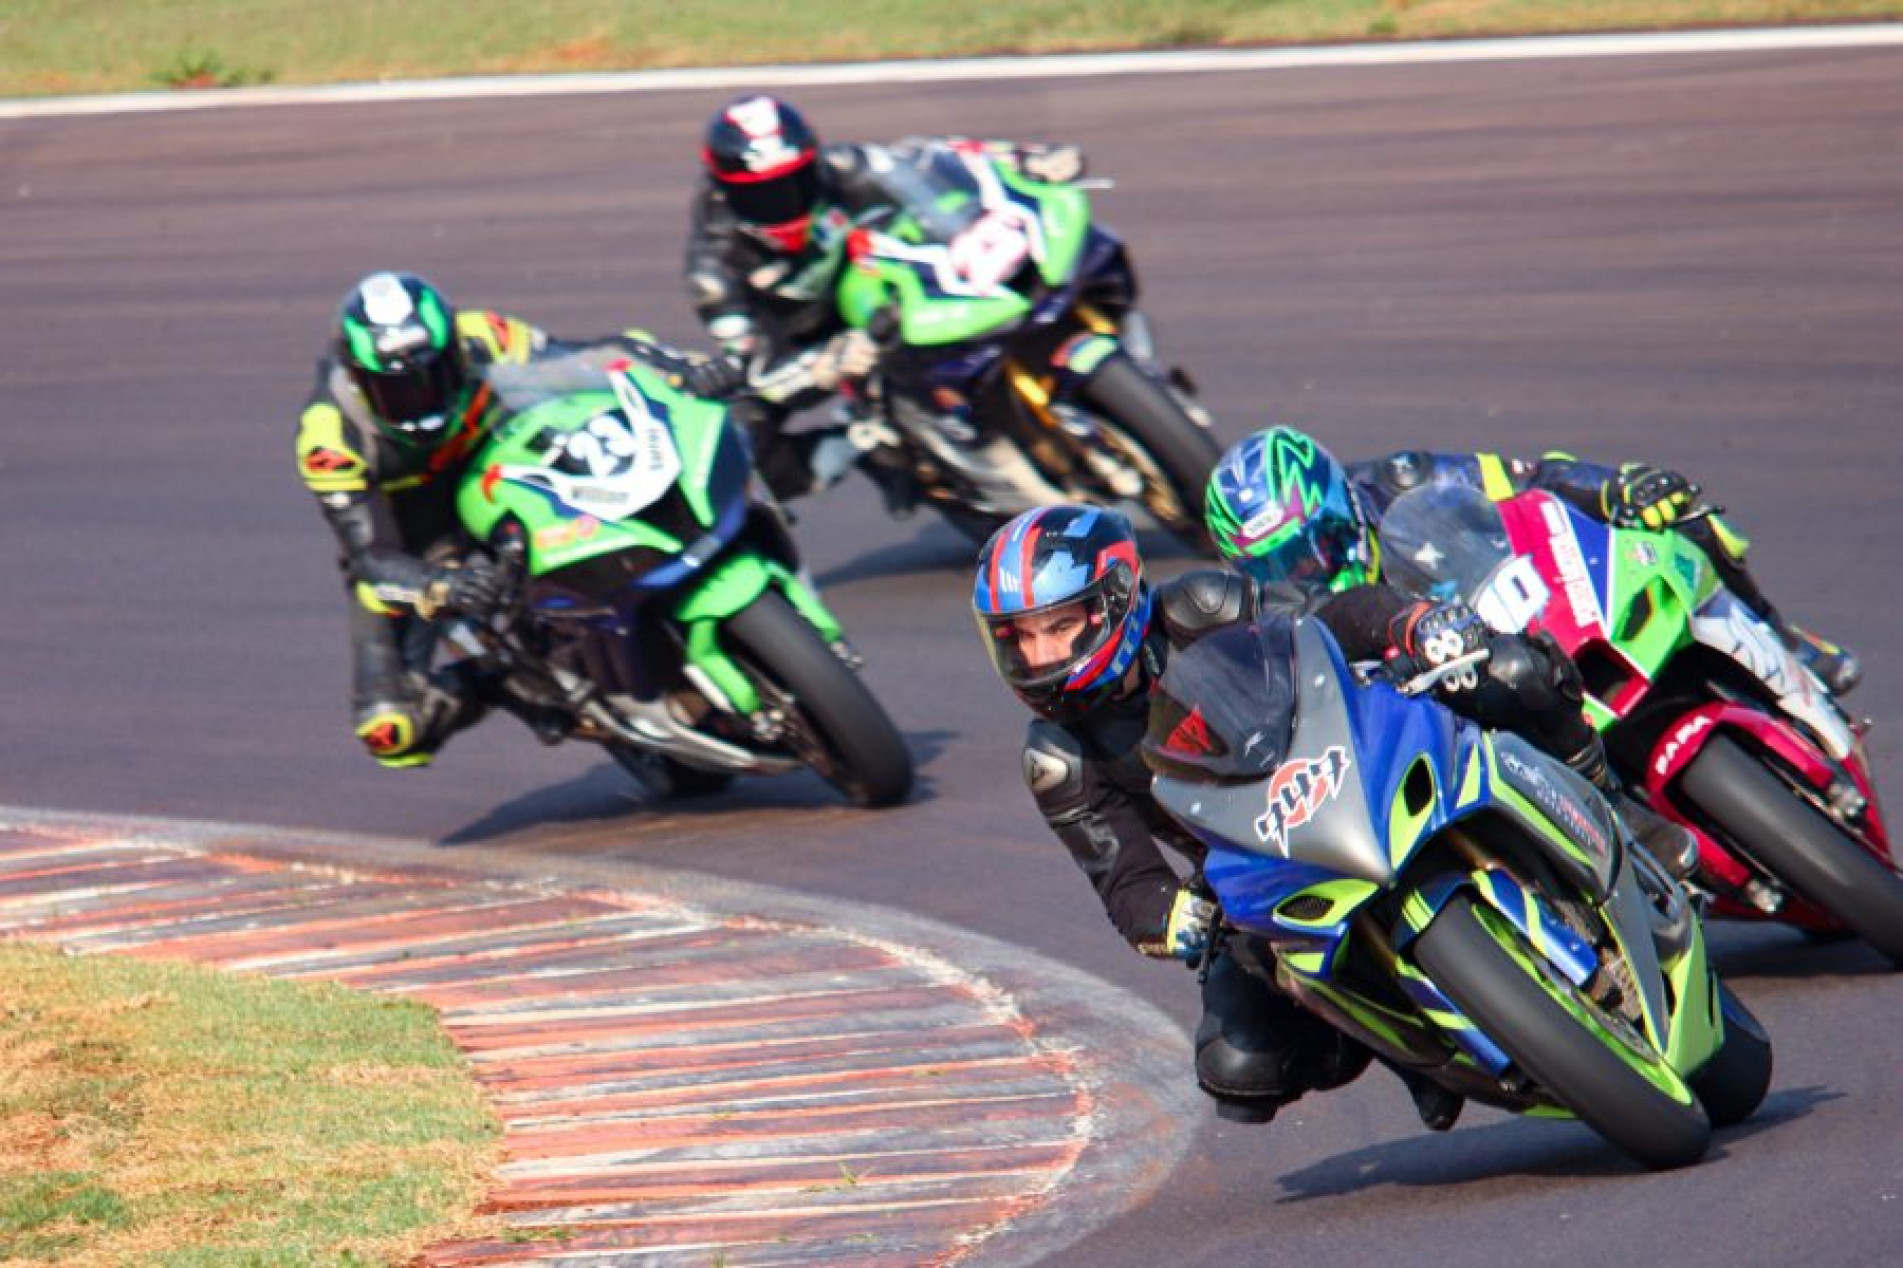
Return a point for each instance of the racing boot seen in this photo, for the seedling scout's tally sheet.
(1671, 845)
(1438, 1107)
(1836, 667)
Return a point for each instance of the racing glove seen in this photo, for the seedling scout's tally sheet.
(1646, 497)
(472, 590)
(712, 378)
(851, 355)
(1051, 164)
(1428, 635)
(1186, 936)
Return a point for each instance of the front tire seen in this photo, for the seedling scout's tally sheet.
(842, 732)
(1797, 844)
(1733, 1083)
(1183, 452)
(1616, 1085)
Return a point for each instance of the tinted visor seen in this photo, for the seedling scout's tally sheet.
(1314, 557)
(421, 392)
(1043, 649)
(774, 200)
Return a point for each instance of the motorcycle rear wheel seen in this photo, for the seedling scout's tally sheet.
(1185, 453)
(851, 742)
(1797, 844)
(1559, 1038)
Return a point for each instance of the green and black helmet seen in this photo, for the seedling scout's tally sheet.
(1282, 509)
(397, 338)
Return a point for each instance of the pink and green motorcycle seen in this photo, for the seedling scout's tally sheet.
(1701, 704)
(1015, 371)
(661, 609)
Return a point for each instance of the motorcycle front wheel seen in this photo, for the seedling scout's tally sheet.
(832, 722)
(1592, 1062)
(1181, 453)
(1796, 843)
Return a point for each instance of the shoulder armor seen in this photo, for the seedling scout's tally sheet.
(1053, 767)
(499, 340)
(1203, 600)
(329, 455)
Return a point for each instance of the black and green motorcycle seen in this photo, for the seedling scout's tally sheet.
(660, 607)
(1015, 371)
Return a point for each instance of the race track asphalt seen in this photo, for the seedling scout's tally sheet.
(1689, 259)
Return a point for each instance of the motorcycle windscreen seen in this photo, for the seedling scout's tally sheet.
(1224, 709)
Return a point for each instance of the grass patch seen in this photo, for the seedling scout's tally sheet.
(60, 46)
(170, 1115)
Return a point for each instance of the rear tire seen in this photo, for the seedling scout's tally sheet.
(1143, 408)
(860, 752)
(1797, 844)
(1489, 971)
(1733, 1083)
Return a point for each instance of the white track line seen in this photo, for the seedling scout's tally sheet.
(1068, 66)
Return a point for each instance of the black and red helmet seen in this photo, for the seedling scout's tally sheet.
(766, 160)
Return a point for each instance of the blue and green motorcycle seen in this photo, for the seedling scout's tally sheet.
(662, 612)
(1463, 905)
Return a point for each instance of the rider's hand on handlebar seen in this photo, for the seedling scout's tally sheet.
(1187, 936)
(1051, 164)
(1647, 497)
(851, 355)
(1429, 635)
(713, 378)
(473, 589)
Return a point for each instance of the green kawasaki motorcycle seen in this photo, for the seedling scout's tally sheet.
(661, 612)
(1014, 371)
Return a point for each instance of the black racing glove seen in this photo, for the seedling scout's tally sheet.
(473, 589)
(1646, 497)
(1428, 635)
(713, 378)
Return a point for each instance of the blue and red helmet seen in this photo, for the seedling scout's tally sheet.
(1282, 509)
(1050, 559)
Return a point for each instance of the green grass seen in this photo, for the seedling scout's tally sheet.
(66, 46)
(168, 1115)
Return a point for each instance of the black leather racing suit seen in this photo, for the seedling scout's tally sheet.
(779, 310)
(1255, 1049)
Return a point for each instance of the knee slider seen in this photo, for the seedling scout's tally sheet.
(393, 731)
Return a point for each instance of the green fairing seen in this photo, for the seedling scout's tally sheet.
(925, 320)
(560, 535)
(735, 583)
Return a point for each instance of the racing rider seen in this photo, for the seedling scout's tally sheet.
(768, 241)
(399, 409)
(1336, 545)
(1075, 631)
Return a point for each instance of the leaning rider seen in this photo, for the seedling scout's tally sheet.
(1075, 631)
(1272, 463)
(399, 409)
(764, 255)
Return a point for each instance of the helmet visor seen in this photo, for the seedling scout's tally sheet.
(774, 200)
(1041, 650)
(415, 398)
(1324, 552)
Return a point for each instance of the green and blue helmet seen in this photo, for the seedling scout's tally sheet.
(1282, 509)
(397, 340)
